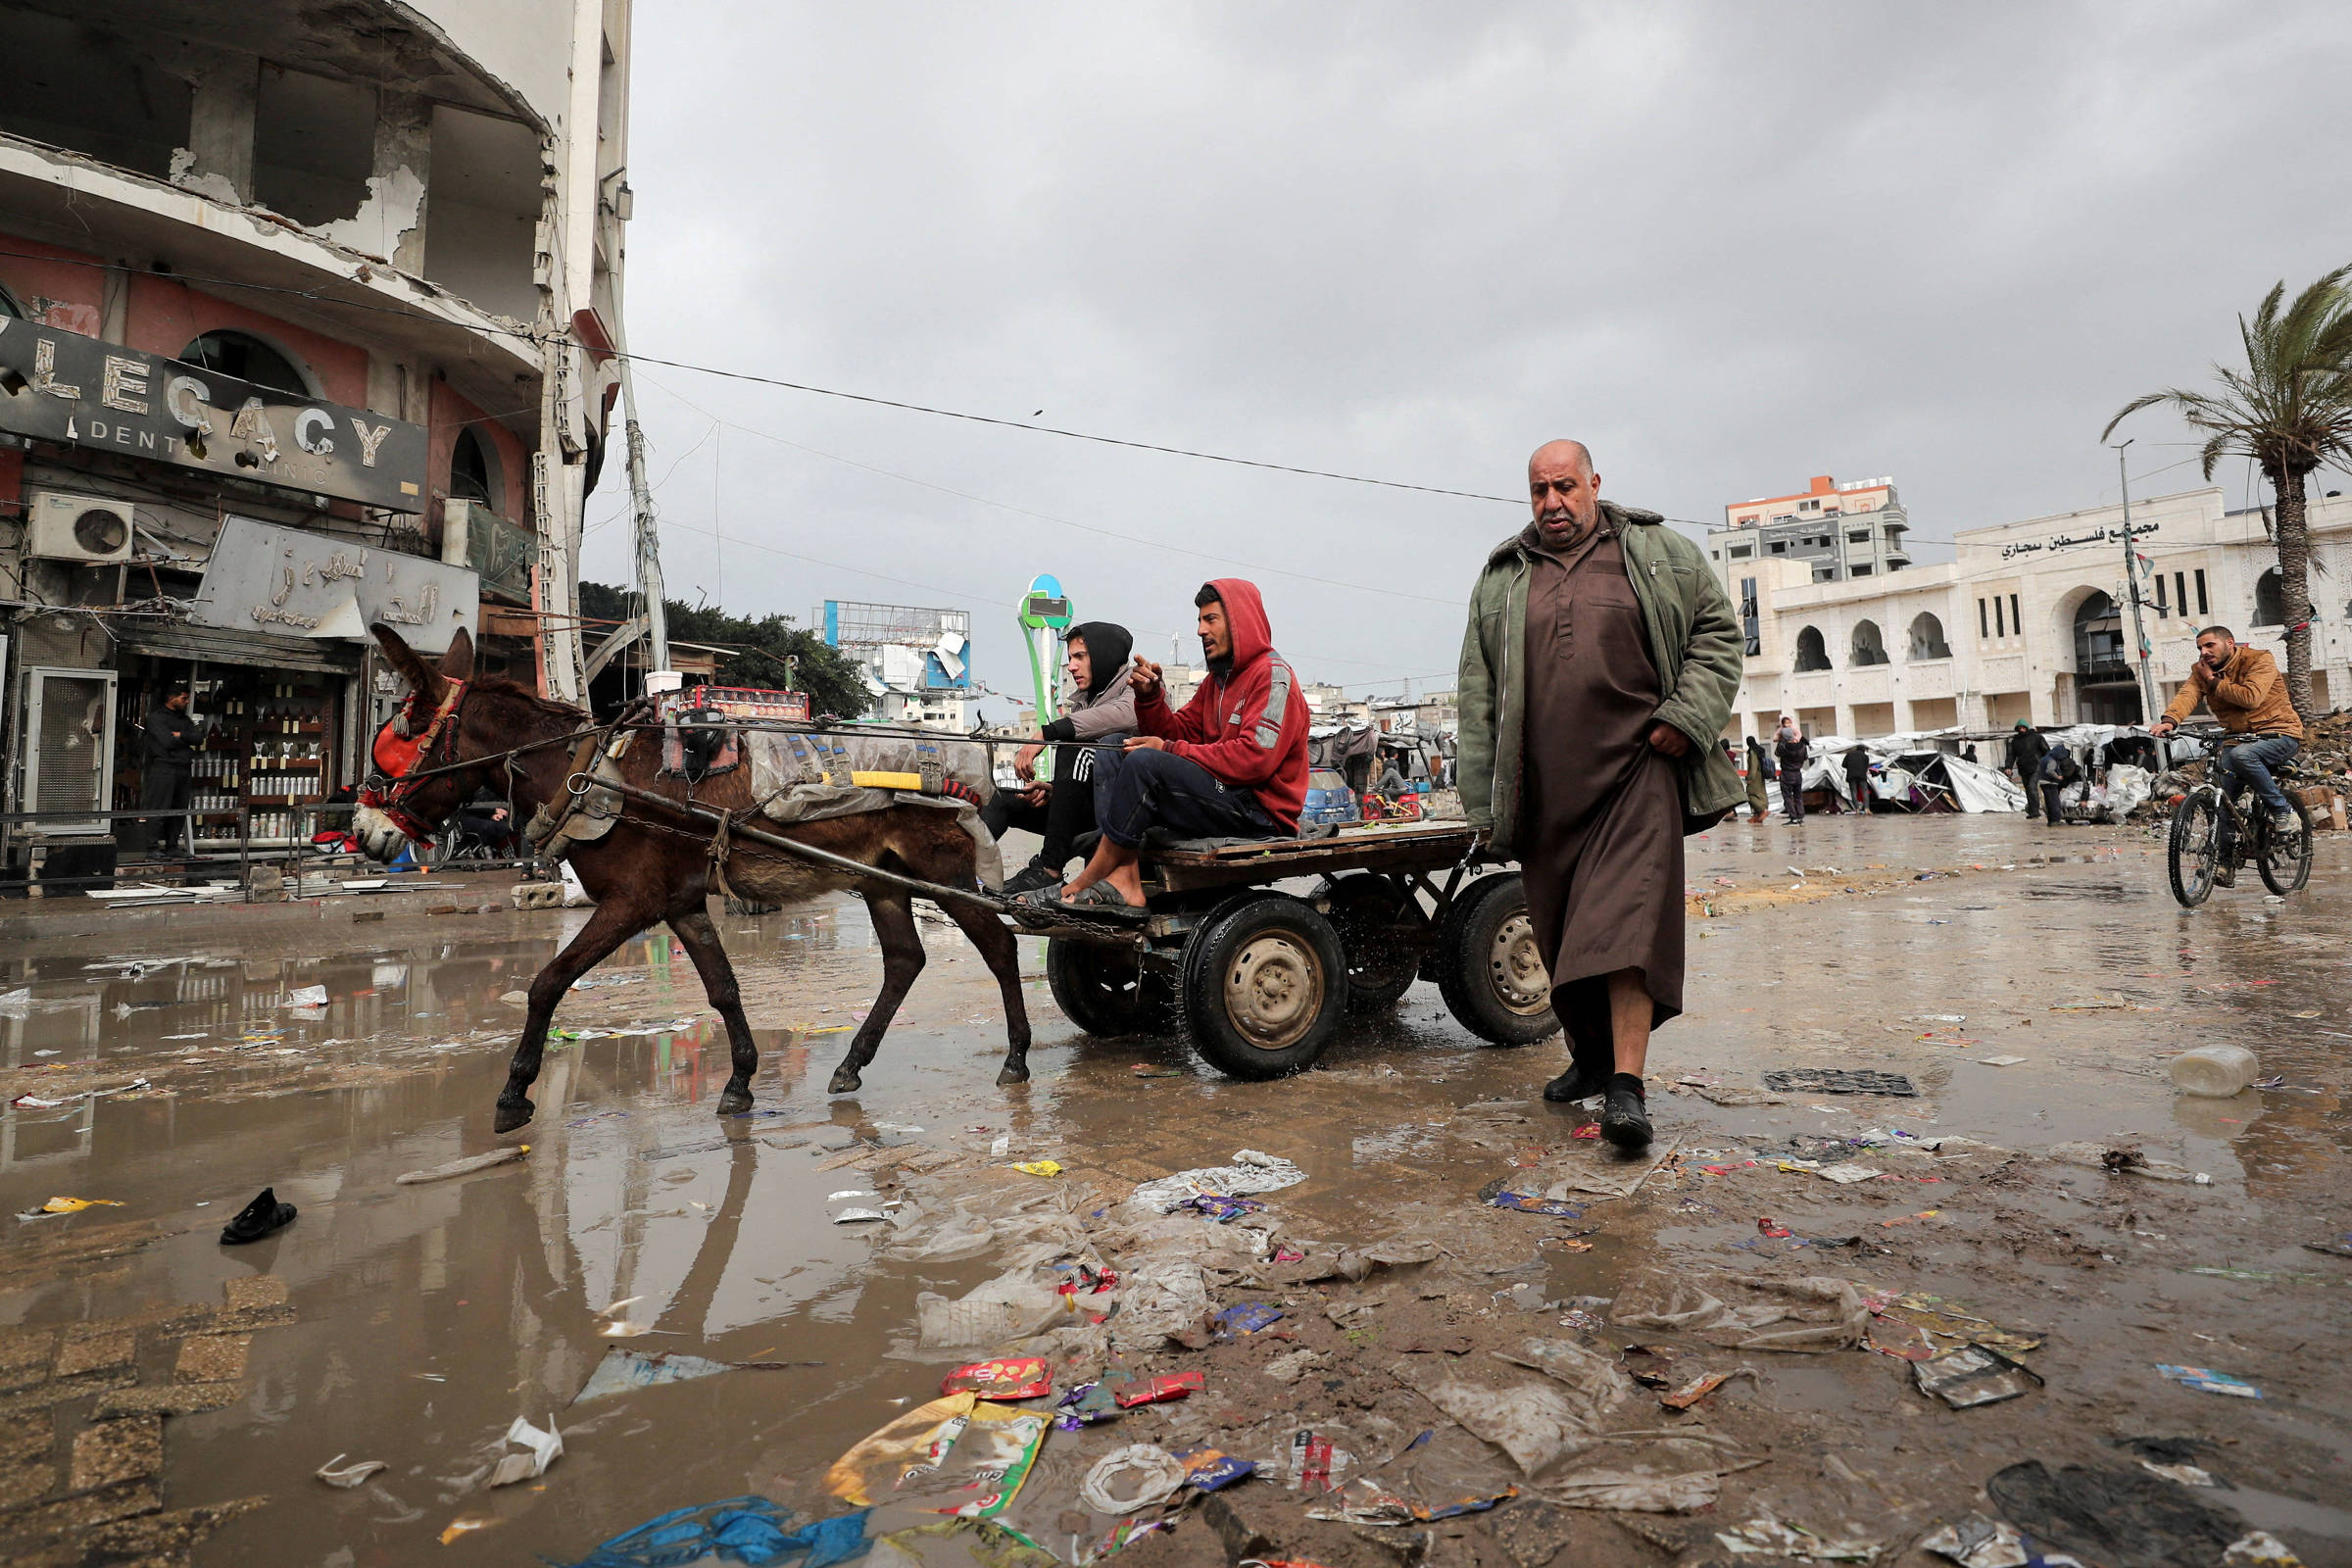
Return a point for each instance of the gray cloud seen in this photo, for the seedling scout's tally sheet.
(1728, 246)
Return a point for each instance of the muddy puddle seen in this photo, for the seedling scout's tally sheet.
(2030, 989)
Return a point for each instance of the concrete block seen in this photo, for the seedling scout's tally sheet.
(25, 1357)
(112, 1453)
(58, 1390)
(182, 1399)
(211, 1358)
(164, 1537)
(255, 1290)
(97, 1353)
(27, 1478)
(104, 1506)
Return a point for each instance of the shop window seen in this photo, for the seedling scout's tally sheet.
(472, 471)
(248, 358)
(1870, 646)
(1811, 652)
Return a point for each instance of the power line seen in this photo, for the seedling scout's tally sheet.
(535, 337)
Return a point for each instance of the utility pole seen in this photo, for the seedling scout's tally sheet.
(649, 537)
(2140, 636)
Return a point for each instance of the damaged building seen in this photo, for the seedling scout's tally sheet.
(307, 314)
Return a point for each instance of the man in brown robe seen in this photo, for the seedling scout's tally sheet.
(1605, 706)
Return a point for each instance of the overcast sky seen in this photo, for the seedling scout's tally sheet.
(1728, 246)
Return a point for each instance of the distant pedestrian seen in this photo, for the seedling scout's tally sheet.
(1600, 656)
(1968, 753)
(2027, 749)
(1857, 776)
(1790, 751)
(1759, 768)
(2058, 770)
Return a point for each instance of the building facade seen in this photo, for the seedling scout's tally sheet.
(2032, 620)
(916, 662)
(305, 319)
(1853, 529)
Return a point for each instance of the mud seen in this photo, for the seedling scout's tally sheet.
(169, 1396)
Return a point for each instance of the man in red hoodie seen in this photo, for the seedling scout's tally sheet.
(1231, 764)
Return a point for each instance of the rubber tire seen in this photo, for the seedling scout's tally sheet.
(1376, 978)
(1104, 991)
(2270, 879)
(2193, 888)
(1210, 959)
(1465, 978)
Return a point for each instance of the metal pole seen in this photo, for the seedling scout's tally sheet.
(2140, 636)
(649, 537)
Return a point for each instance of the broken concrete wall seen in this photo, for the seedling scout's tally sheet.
(72, 87)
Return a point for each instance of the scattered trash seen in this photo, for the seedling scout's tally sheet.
(1773, 1228)
(1250, 1172)
(1316, 1464)
(623, 1370)
(1025, 1378)
(2112, 1515)
(351, 1475)
(748, 1530)
(1143, 1069)
(1161, 1389)
(2207, 1381)
(2261, 1549)
(957, 1449)
(1839, 1081)
(1223, 1209)
(1247, 1318)
(1292, 1365)
(263, 1217)
(307, 997)
(1816, 1313)
(2341, 1247)
(1846, 1174)
(1976, 1541)
(1772, 1538)
(1534, 1424)
(2002, 1062)
(69, 1205)
(1207, 1469)
(465, 1526)
(1040, 1167)
(464, 1167)
(1974, 1375)
(1004, 1308)
(2216, 1072)
(1370, 1503)
(859, 1216)
(1939, 1315)
(1555, 1208)
(1136, 1477)
(2123, 1162)
(540, 1449)
(1698, 1388)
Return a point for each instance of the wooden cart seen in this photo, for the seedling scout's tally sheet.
(1260, 947)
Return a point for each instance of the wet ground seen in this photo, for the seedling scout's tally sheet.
(412, 1324)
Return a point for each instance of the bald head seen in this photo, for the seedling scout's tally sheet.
(1563, 492)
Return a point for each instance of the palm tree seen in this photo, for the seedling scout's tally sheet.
(2289, 409)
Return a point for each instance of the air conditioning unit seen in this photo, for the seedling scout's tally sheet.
(72, 527)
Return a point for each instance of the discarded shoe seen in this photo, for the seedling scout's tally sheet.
(1624, 1115)
(263, 1217)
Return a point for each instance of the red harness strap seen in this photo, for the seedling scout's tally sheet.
(397, 756)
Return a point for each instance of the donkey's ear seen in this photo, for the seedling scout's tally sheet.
(423, 678)
(458, 662)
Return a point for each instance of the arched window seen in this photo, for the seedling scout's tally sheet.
(472, 471)
(1926, 637)
(248, 358)
(2270, 608)
(1870, 648)
(2098, 637)
(1811, 652)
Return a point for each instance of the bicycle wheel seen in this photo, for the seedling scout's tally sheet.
(2196, 847)
(2285, 862)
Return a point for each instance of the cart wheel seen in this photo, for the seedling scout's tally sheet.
(1380, 967)
(1104, 990)
(1488, 970)
(1264, 982)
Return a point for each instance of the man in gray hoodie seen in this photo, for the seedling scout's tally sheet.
(1098, 708)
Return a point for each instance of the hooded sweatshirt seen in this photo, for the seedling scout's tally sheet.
(1248, 722)
(1107, 705)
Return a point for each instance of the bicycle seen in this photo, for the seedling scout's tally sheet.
(2196, 860)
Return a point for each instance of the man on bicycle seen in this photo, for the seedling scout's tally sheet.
(2243, 687)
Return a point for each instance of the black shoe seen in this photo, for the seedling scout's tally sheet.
(1582, 1081)
(1624, 1116)
(263, 1217)
(1029, 878)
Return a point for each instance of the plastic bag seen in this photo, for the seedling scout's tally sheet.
(1817, 1313)
(1006, 1308)
(956, 1451)
(1534, 1424)
(1136, 1477)
(1595, 1382)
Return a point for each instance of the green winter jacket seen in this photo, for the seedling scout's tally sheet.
(1694, 641)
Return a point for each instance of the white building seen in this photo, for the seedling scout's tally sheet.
(916, 661)
(2030, 620)
(1853, 529)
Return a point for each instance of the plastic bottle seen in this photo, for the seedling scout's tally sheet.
(2218, 1071)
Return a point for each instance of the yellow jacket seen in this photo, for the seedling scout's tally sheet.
(2248, 697)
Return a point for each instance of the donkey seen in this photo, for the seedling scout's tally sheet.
(647, 869)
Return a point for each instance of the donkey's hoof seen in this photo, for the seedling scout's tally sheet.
(734, 1102)
(513, 1113)
(844, 1081)
(1012, 1072)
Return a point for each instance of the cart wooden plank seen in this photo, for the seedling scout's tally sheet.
(1419, 846)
